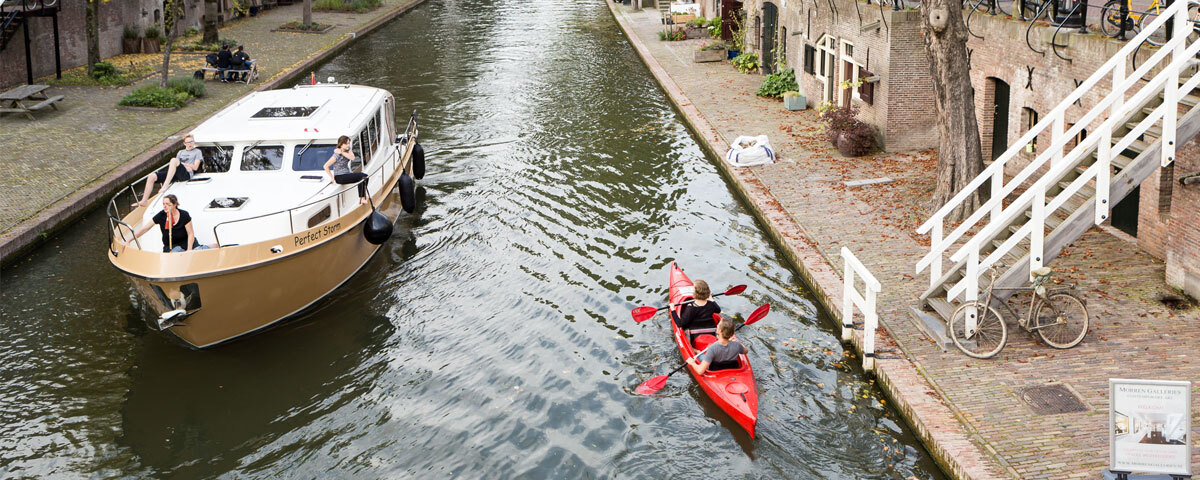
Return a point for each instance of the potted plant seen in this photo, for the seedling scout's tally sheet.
(793, 100)
(851, 136)
(151, 42)
(710, 52)
(131, 41)
(696, 28)
(738, 38)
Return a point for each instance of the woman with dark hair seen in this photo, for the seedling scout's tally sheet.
(176, 227)
(341, 174)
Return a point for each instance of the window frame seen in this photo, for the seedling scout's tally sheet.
(283, 148)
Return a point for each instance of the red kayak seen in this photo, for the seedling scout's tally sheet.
(730, 386)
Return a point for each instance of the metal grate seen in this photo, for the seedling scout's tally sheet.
(1052, 399)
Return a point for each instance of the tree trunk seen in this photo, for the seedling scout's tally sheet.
(210, 21)
(307, 12)
(92, 31)
(166, 68)
(960, 157)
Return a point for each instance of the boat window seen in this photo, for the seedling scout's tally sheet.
(374, 127)
(319, 217)
(313, 158)
(216, 159)
(359, 159)
(262, 158)
(285, 112)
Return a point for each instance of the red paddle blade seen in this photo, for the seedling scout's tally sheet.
(641, 314)
(758, 313)
(734, 290)
(651, 386)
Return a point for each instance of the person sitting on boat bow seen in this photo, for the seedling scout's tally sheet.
(341, 174)
(176, 227)
(723, 351)
(699, 313)
(179, 169)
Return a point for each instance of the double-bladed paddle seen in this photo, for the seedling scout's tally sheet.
(641, 314)
(653, 385)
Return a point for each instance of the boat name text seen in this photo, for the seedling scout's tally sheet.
(317, 234)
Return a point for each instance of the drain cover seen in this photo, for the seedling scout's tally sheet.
(1052, 399)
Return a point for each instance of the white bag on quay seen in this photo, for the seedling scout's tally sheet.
(750, 151)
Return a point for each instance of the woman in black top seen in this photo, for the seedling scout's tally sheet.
(699, 313)
(175, 224)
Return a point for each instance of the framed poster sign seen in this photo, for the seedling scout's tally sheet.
(1150, 426)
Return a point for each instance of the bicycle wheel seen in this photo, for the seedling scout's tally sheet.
(1110, 18)
(1064, 325)
(990, 333)
(1158, 36)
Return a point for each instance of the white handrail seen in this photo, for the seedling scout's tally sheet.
(1114, 101)
(865, 303)
(1115, 108)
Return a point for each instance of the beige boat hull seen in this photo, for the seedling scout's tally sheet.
(234, 291)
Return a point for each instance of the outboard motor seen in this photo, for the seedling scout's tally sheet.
(418, 161)
(377, 228)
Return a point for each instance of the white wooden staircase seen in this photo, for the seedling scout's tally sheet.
(1071, 185)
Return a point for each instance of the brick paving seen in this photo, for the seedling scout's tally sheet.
(813, 215)
(48, 159)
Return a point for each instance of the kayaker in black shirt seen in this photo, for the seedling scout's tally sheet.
(699, 313)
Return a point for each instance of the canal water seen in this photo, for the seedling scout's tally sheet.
(491, 337)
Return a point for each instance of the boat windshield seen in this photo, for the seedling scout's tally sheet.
(313, 157)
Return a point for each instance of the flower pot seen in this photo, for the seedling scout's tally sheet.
(131, 45)
(150, 45)
(254, 11)
(703, 56)
(697, 32)
(732, 54)
(795, 102)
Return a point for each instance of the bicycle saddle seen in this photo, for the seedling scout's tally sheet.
(1042, 272)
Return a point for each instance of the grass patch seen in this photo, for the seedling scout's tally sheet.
(357, 6)
(296, 25)
(125, 69)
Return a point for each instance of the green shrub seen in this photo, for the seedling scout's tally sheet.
(777, 83)
(714, 27)
(131, 31)
(346, 5)
(105, 72)
(153, 96)
(190, 31)
(190, 85)
(672, 35)
(697, 22)
(207, 47)
(717, 45)
(152, 32)
(747, 62)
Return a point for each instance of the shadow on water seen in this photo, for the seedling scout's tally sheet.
(490, 337)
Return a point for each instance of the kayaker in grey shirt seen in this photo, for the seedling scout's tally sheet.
(189, 158)
(724, 350)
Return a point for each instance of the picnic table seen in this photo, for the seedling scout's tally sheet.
(13, 101)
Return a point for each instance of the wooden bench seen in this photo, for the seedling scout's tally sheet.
(49, 102)
(251, 75)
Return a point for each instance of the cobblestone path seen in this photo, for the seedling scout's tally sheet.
(1132, 334)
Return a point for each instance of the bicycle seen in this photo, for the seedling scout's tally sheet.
(1058, 316)
(1110, 20)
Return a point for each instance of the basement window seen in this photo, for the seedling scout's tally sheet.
(1029, 118)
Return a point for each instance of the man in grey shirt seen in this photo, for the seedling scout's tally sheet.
(189, 158)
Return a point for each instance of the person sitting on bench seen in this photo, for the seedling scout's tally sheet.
(224, 63)
(722, 353)
(240, 63)
(179, 169)
(699, 313)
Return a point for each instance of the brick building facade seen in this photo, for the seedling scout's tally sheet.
(844, 41)
(1018, 75)
(113, 15)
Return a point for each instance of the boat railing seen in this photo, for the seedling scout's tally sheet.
(115, 217)
(337, 198)
(865, 303)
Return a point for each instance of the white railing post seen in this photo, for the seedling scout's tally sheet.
(935, 266)
(997, 189)
(1037, 231)
(864, 302)
(1180, 30)
(1056, 134)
